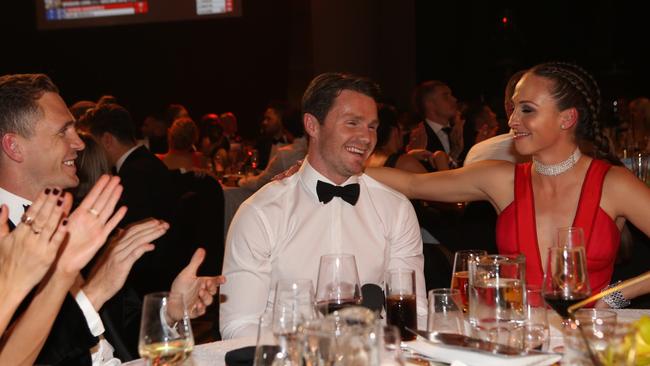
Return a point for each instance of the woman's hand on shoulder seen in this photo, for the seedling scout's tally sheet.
(624, 195)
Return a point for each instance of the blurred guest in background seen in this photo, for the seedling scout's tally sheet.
(182, 136)
(79, 108)
(388, 151)
(285, 157)
(273, 132)
(437, 106)
(480, 124)
(500, 147)
(154, 132)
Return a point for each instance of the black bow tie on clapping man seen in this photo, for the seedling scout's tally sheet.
(349, 193)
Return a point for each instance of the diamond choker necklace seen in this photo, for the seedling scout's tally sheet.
(559, 168)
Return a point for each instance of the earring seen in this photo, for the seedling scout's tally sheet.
(562, 126)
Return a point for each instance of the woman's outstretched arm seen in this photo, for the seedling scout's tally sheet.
(487, 180)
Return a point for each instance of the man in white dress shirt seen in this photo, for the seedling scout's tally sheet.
(282, 231)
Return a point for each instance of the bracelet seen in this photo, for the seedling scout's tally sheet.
(616, 300)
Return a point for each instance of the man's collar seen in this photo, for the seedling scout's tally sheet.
(15, 204)
(122, 158)
(310, 177)
(437, 127)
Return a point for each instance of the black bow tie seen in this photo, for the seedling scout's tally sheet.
(326, 191)
(446, 130)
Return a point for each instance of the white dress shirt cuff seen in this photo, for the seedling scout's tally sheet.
(92, 317)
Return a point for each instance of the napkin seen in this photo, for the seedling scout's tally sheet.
(456, 356)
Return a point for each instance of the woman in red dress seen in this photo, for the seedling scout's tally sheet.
(556, 119)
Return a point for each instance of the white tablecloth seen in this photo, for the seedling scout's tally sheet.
(212, 354)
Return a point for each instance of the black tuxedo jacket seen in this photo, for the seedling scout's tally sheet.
(149, 192)
(433, 142)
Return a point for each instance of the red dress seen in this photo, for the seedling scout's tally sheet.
(516, 230)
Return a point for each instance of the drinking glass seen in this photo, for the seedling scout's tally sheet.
(401, 304)
(391, 350)
(165, 330)
(497, 297)
(338, 283)
(565, 280)
(459, 277)
(571, 237)
(445, 311)
(294, 298)
(538, 334)
(266, 347)
(640, 165)
(612, 343)
(293, 305)
(351, 336)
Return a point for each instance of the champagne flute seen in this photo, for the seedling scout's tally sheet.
(165, 330)
(338, 283)
(565, 280)
(460, 275)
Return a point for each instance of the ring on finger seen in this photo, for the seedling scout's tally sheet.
(36, 230)
(26, 219)
(93, 211)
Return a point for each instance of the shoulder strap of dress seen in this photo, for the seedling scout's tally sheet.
(526, 224)
(589, 202)
(524, 208)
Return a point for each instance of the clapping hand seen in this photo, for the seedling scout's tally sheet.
(124, 249)
(90, 224)
(198, 292)
(27, 253)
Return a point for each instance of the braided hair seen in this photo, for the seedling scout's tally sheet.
(576, 88)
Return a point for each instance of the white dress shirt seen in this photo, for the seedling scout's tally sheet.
(442, 135)
(282, 231)
(499, 147)
(102, 353)
(285, 158)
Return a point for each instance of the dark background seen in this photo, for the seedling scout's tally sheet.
(277, 46)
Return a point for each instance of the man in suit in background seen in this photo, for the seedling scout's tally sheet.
(148, 192)
(436, 104)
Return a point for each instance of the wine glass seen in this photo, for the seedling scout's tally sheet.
(390, 350)
(565, 280)
(165, 330)
(338, 283)
(460, 275)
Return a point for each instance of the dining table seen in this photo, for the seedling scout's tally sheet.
(213, 354)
